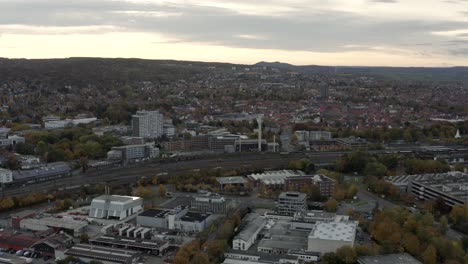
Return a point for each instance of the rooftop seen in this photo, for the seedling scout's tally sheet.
(232, 180)
(22, 213)
(102, 253)
(253, 226)
(292, 195)
(343, 231)
(49, 169)
(401, 258)
(194, 217)
(116, 198)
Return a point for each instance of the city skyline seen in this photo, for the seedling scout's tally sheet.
(349, 33)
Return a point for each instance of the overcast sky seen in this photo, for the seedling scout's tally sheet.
(325, 32)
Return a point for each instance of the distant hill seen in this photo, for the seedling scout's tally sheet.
(59, 72)
(413, 73)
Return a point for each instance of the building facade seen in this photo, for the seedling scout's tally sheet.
(325, 185)
(291, 202)
(148, 124)
(115, 207)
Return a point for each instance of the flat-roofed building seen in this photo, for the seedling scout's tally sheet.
(329, 236)
(6, 176)
(148, 124)
(248, 257)
(399, 258)
(47, 172)
(16, 218)
(115, 206)
(210, 203)
(73, 227)
(451, 187)
(178, 218)
(153, 246)
(291, 202)
(105, 255)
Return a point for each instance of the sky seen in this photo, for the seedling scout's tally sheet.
(430, 33)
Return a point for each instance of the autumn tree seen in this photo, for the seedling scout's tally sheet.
(331, 205)
(162, 190)
(429, 255)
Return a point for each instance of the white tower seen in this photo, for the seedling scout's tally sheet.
(458, 134)
(259, 121)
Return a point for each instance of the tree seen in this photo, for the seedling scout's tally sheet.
(443, 225)
(375, 169)
(84, 238)
(162, 190)
(24, 149)
(347, 255)
(429, 255)
(331, 205)
(411, 243)
(200, 258)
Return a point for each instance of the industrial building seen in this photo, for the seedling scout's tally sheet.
(246, 257)
(52, 245)
(105, 255)
(236, 181)
(153, 246)
(72, 227)
(210, 203)
(16, 241)
(273, 179)
(115, 206)
(329, 236)
(325, 184)
(148, 124)
(16, 218)
(47, 172)
(178, 218)
(399, 258)
(248, 235)
(291, 202)
(451, 187)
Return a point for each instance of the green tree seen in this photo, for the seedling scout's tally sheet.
(375, 169)
(84, 238)
(443, 226)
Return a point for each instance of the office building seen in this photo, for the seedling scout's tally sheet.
(235, 181)
(210, 203)
(6, 176)
(291, 202)
(324, 91)
(148, 124)
(327, 237)
(325, 184)
(303, 135)
(133, 152)
(115, 206)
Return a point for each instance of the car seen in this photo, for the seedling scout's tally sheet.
(19, 252)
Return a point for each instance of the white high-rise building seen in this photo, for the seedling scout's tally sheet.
(148, 124)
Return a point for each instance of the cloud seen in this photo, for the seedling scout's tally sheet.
(385, 1)
(295, 25)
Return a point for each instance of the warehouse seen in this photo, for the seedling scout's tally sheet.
(69, 226)
(115, 206)
(104, 255)
(154, 247)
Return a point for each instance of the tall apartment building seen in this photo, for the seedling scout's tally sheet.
(148, 124)
(291, 202)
